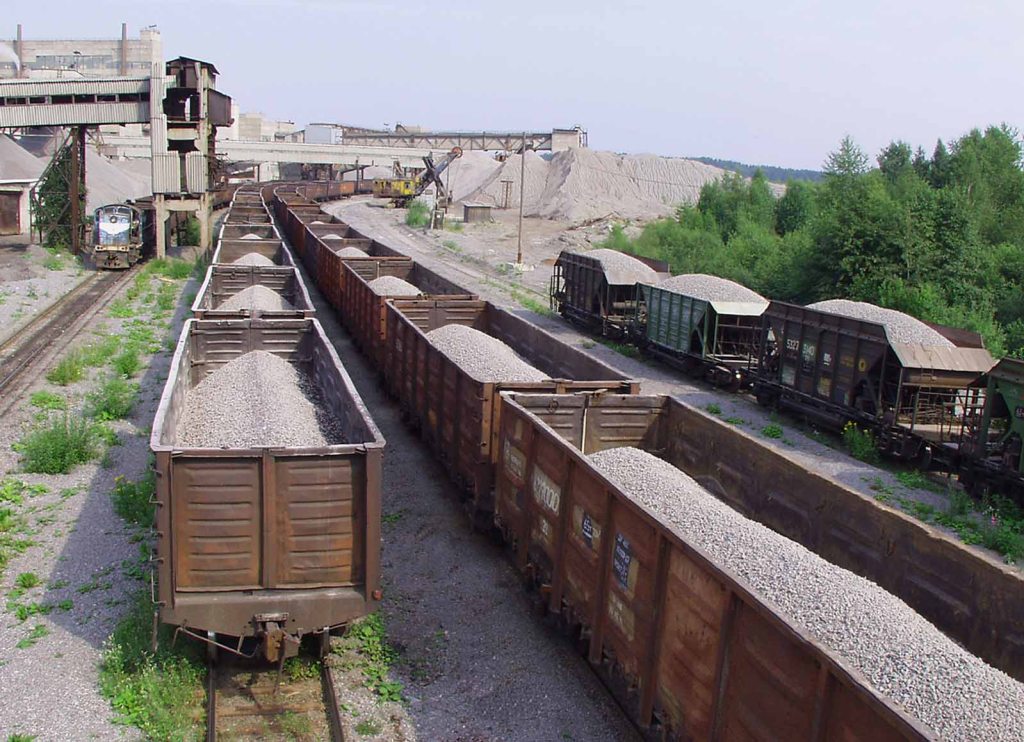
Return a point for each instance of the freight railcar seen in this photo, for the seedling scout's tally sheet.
(993, 456)
(265, 543)
(917, 396)
(597, 289)
(701, 324)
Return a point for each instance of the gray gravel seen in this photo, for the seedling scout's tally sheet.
(331, 236)
(253, 258)
(351, 252)
(621, 269)
(251, 236)
(710, 288)
(257, 400)
(257, 298)
(900, 327)
(901, 654)
(393, 286)
(483, 357)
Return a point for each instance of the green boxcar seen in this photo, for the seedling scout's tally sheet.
(995, 452)
(720, 338)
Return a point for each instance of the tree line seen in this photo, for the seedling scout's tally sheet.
(940, 237)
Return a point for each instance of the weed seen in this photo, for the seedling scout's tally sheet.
(453, 226)
(99, 353)
(159, 692)
(59, 445)
(113, 400)
(369, 639)
(35, 635)
(787, 442)
(296, 726)
(107, 460)
(166, 296)
(28, 580)
(392, 517)
(368, 728)
(860, 443)
(417, 215)
(106, 434)
(772, 431)
(48, 401)
(301, 668)
(18, 737)
(66, 605)
(24, 612)
(58, 584)
(629, 351)
(127, 363)
(588, 344)
(68, 370)
(451, 245)
(132, 499)
(14, 490)
(735, 420)
(877, 485)
(121, 309)
(54, 261)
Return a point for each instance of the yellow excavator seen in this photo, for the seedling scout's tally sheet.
(403, 190)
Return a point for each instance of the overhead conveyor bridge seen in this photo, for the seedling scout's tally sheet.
(76, 101)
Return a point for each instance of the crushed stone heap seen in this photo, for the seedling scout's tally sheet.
(483, 357)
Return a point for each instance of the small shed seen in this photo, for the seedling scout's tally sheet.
(474, 213)
(15, 213)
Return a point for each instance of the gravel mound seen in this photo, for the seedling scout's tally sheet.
(250, 236)
(900, 327)
(581, 184)
(901, 654)
(17, 163)
(483, 357)
(253, 258)
(332, 237)
(258, 298)
(257, 400)
(393, 286)
(710, 288)
(622, 269)
(351, 252)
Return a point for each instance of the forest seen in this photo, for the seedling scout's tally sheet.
(940, 237)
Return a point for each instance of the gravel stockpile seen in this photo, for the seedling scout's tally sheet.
(710, 288)
(258, 298)
(392, 286)
(900, 653)
(251, 236)
(483, 357)
(257, 400)
(351, 252)
(621, 269)
(900, 327)
(253, 258)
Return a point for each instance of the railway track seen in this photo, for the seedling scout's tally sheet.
(24, 353)
(247, 699)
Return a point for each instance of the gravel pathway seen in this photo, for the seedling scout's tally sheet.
(476, 664)
(89, 563)
(900, 653)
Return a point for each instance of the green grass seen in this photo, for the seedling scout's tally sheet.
(173, 268)
(772, 431)
(735, 420)
(367, 728)
(453, 226)
(17, 737)
(114, 399)
(121, 309)
(45, 400)
(159, 692)
(630, 351)
(35, 635)
(54, 261)
(418, 214)
(28, 580)
(59, 445)
(68, 370)
(368, 637)
(713, 408)
(451, 245)
(166, 297)
(127, 363)
(132, 499)
(99, 353)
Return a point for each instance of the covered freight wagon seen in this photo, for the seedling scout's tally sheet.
(993, 459)
(597, 289)
(265, 542)
(701, 323)
(915, 385)
(459, 414)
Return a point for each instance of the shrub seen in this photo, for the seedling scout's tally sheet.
(59, 445)
(860, 443)
(113, 400)
(418, 214)
(127, 363)
(68, 370)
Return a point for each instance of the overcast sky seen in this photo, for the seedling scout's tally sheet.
(760, 82)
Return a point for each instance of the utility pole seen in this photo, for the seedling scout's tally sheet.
(522, 194)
